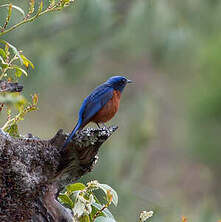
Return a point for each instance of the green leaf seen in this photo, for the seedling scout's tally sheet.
(35, 99)
(15, 7)
(9, 11)
(12, 99)
(26, 61)
(13, 130)
(64, 199)
(104, 219)
(19, 71)
(2, 53)
(105, 188)
(7, 49)
(106, 212)
(75, 187)
(2, 60)
(40, 8)
(84, 218)
(9, 16)
(4, 64)
(109, 196)
(52, 2)
(15, 51)
(65, 2)
(31, 6)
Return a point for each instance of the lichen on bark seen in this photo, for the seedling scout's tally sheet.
(33, 171)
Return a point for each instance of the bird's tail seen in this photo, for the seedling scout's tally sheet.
(76, 128)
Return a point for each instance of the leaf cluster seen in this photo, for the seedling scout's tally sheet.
(14, 64)
(11, 61)
(34, 12)
(85, 204)
(23, 107)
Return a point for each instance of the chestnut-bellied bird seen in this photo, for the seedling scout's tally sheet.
(101, 105)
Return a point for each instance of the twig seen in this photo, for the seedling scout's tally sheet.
(26, 20)
(23, 22)
(102, 209)
(1, 106)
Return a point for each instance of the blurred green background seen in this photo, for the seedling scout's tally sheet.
(166, 155)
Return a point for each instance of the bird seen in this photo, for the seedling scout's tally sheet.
(101, 105)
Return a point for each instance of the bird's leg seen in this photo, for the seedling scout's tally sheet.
(98, 125)
(104, 125)
(105, 128)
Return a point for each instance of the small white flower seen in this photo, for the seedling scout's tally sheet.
(88, 209)
(78, 208)
(93, 184)
(144, 215)
(91, 199)
(83, 206)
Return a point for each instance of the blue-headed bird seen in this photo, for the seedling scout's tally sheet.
(101, 105)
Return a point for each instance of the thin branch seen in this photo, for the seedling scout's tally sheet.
(8, 17)
(101, 210)
(56, 7)
(23, 22)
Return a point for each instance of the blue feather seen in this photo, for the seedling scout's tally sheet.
(91, 105)
(96, 100)
(76, 128)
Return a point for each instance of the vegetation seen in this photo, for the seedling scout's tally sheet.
(79, 198)
(85, 205)
(13, 61)
(167, 154)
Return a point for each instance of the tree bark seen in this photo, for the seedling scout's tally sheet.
(33, 171)
(6, 86)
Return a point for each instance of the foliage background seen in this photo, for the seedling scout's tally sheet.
(166, 154)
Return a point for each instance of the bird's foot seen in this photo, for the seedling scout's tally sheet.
(104, 126)
(98, 125)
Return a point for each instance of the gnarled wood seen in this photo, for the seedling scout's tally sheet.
(6, 86)
(32, 171)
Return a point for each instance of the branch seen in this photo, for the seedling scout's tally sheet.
(23, 22)
(6, 86)
(33, 171)
(56, 7)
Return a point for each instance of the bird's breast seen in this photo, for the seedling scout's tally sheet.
(108, 111)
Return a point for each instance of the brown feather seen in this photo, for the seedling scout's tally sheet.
(109, 109)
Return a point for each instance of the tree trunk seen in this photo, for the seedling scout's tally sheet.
(33, 171)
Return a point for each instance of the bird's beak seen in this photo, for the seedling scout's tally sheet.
(129, 81)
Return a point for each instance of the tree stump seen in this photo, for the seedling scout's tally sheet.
(33, 171)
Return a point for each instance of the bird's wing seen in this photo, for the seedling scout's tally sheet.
(95, 101)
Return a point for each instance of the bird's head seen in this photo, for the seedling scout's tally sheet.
(118, 82)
